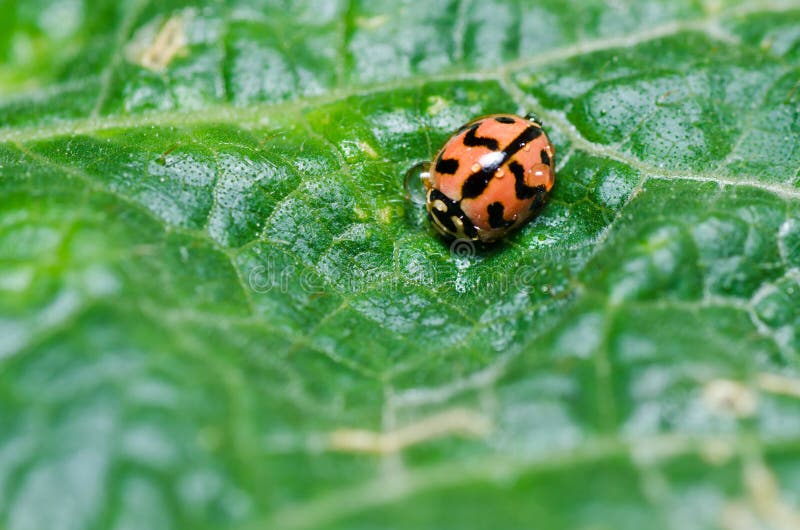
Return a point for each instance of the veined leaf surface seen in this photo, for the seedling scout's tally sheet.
(217, 310)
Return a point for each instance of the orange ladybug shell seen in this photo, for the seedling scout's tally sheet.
(490, 178)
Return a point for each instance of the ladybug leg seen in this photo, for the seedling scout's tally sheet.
(533, 118)
(538, 200)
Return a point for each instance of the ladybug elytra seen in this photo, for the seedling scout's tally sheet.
(490, 178)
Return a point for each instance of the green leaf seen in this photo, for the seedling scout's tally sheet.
(217, 310)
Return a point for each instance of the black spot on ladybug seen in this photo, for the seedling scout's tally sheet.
(545, 157)
(470, 140)
(496, 220)
(446, 165)
(505, 119)
(522, 190)
(445, 218)
(476, 183)
(530, 133)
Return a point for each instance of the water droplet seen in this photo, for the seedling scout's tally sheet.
(414, 182)
(539, 174)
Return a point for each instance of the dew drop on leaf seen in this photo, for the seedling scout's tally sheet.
(414, 182)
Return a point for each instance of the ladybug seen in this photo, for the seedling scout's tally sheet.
(490, 178)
